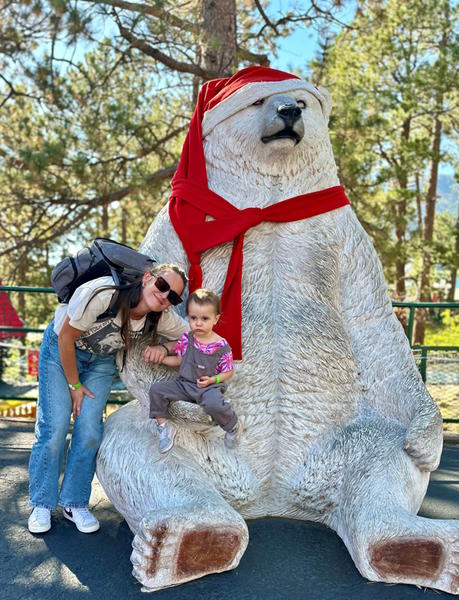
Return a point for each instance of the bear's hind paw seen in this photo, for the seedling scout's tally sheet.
(169, 550)
(421, 561)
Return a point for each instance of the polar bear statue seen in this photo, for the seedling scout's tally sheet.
(337, 425)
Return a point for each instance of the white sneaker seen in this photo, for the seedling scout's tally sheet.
(232, 437)
(167, 433)
(39, 520)
(83, 519)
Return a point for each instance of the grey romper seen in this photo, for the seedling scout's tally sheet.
(195, 364)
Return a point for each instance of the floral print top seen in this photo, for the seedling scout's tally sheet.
(225, 363)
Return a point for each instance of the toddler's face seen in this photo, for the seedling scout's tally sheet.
(202, 318)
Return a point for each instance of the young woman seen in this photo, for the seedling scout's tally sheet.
(76, 367)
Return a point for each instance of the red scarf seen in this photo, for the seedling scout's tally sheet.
(191, 200)
(231, 224)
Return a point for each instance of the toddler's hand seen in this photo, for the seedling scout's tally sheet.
(204, 381)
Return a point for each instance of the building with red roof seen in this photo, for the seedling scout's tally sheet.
(9, 317)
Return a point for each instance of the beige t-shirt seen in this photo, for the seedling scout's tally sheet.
(83, 311)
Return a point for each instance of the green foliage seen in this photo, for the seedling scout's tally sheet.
(444, 246)
(105, 131)
(4, 353)
(386, 74)
(445, 333)
(89, 122)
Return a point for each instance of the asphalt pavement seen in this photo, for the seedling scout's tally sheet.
(285, 559)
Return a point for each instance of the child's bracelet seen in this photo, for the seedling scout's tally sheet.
(165, 348)
(217, 379)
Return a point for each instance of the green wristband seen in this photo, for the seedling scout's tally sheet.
(75, 386)
(217, 379)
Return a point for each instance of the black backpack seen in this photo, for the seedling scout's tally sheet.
(103, 257)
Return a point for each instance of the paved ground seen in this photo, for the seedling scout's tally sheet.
(285, 559)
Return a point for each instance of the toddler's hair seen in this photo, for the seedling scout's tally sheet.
(204, 296)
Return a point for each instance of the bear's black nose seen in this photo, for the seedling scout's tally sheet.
(289, 113)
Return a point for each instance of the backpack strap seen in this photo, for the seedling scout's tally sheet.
(115, 301)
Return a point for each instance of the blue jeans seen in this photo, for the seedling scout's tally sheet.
(53, 419)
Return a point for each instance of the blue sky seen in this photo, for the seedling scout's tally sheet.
(302, 45)
(294, 52)
(297, 50)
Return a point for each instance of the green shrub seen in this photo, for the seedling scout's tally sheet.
(445, 333)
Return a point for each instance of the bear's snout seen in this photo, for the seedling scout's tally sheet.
(289, 113)
(282, 120)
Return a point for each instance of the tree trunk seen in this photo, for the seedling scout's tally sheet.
(104, 223)
(429, 222)
(218, 39)
(431, 198)
(123, 224)
(453, 273)
(400, 224)
(418, 202)
(400, 232)
(400, 288)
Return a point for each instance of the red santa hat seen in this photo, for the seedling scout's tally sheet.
(252, 84)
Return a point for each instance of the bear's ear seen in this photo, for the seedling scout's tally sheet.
(326, 102)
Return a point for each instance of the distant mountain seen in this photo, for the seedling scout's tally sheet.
(448, 192)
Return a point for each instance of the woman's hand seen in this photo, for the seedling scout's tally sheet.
(204, 381)
(77, 399)
(66, 343)
(154, 354)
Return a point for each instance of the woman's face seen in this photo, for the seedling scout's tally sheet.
(158, 301)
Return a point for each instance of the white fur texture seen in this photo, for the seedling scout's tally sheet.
(337, 424)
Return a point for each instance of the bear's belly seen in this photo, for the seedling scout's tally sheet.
(297, 379)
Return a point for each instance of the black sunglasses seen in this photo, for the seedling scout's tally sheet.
(163, 287)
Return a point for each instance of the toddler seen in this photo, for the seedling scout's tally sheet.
(206, 363)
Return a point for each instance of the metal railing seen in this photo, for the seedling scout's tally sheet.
(412, 306)
(113, 399)
(422, 353)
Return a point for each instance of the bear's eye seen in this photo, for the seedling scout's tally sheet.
(258, 102)
(301, 104)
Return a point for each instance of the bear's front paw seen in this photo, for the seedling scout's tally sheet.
(424, 443)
